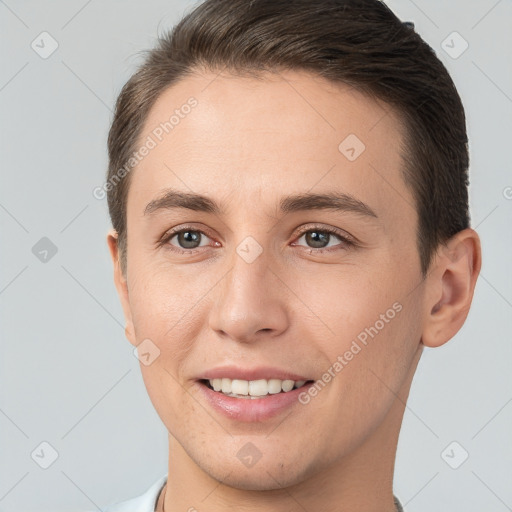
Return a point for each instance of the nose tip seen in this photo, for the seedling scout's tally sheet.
(247, 301)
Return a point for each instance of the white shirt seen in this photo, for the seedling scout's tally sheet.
(144, 503)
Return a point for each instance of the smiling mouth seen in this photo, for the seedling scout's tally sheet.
(253, 389)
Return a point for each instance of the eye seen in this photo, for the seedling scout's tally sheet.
(319, 237)
(187, 239)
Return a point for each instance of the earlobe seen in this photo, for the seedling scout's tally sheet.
(121, 284)
(450, 287)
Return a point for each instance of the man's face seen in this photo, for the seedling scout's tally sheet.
(253, 286)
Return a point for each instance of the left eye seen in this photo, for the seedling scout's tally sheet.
(317, 238)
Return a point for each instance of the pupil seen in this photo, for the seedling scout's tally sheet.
(312, 237)
(187, 234)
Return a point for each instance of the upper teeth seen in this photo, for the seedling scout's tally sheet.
(260, 387)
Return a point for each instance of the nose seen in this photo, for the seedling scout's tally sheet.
(250, 303)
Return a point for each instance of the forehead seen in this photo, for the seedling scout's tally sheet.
(224, 135)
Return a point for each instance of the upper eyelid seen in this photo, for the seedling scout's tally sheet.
(343, 235)
(319, 227)
(172, 232)
(303, 229)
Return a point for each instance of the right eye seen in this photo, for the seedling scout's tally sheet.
(186, 238)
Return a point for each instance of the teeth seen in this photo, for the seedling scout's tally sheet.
(254, 388)
(225, 385)
(240, 387)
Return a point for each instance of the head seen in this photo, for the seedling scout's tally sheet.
(291, 119)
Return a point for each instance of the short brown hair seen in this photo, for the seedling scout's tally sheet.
(356, 42)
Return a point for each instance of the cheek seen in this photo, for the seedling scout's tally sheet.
(371, 334)
(165, 311)
(344, 301)
(163, 299)
(170, 308)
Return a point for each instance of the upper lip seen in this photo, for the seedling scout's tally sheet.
(256, 373)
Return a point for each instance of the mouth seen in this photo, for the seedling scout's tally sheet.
(253, 401)
(254, 389)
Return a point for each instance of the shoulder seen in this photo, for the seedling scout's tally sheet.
(146, 502)
(398, 505)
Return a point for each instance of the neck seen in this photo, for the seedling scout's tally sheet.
(361, 480)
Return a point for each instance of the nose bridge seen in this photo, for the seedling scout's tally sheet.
(248, 300)
(248, 279)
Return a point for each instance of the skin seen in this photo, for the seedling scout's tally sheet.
(246, 144)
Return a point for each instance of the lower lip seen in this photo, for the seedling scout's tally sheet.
(252, 409)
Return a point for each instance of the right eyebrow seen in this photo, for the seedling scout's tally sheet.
(177, 199)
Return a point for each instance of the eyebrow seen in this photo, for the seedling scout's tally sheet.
(344, 202)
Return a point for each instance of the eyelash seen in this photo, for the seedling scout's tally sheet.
(346, 241)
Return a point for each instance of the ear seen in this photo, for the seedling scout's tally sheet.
(121, 285)
(450, 287)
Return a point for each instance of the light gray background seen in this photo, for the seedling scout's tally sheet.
(69, 377)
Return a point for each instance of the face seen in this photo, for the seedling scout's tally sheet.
(270, 282)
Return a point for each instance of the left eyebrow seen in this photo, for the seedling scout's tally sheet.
(293, 203)
(330, 201)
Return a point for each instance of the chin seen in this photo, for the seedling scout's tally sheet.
(266, 474)
(264, 478)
